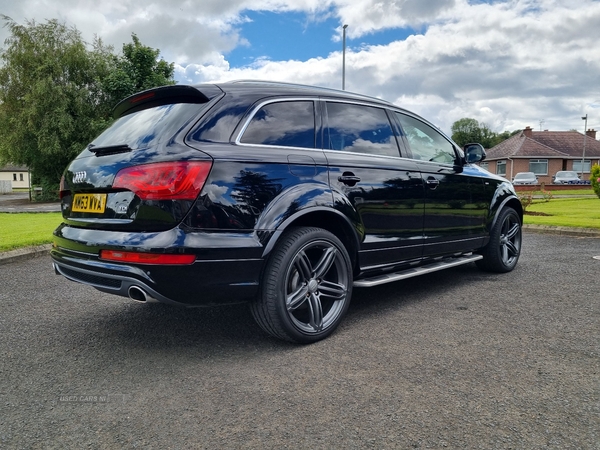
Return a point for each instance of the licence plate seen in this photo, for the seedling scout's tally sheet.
(91, 203)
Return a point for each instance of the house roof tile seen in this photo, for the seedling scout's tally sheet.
(13, 168)
(547, 144)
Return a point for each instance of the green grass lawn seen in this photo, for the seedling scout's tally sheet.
(566, 212)
(26, 229)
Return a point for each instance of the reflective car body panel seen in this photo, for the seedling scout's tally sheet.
(388, 201)
(395, 190)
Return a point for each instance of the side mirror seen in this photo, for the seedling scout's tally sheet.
(474, 153)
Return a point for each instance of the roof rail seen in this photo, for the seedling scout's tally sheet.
(306, 86)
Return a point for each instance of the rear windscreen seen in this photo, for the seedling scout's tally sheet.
(149, 127)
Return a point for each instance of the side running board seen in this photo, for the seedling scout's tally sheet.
(416, 271)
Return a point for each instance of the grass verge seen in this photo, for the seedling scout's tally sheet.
(26, 229)
(566, 212)
(573, 193)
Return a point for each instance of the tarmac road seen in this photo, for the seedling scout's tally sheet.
(457, 359)
(19, 202)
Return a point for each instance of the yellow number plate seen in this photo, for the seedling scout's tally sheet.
(91, 203)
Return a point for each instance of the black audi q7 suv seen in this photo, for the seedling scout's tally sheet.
(281, 195)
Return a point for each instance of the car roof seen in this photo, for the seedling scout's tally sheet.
(281, 88)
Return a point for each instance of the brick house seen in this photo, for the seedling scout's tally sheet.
(544, 153)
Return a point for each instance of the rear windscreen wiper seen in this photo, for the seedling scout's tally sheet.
(109, 149)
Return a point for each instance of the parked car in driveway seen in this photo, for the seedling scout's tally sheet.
(566, 177)
(525, 178)
(283, 196)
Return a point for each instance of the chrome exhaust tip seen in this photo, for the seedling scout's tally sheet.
(138, 294)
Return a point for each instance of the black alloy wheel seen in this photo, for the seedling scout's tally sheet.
(502, 252)
(306, 287)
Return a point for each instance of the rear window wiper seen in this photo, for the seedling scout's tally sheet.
(109, 149)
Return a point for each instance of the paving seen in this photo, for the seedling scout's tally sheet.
(19, 202)
(459, 359)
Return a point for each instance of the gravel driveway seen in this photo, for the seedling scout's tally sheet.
(456, 359)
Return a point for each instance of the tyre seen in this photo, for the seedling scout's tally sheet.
(306, 287)
(502, 251)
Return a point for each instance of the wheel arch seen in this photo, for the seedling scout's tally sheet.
(512, 202)
(321, 217)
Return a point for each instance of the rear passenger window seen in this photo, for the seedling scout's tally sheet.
(359, 129)
(286, 124)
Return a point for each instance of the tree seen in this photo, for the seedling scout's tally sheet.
(48, 97)
(138, 69)
(595, 179)
(56, 94)
(467, 130)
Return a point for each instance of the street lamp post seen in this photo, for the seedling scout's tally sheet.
(344, 58)
(584, 139)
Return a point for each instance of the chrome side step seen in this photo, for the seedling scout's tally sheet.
(416, 271)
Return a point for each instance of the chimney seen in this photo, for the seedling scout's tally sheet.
(528, 132)
(591, 133)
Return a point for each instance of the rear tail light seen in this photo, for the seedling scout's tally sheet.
(146, 258)
(181, 180)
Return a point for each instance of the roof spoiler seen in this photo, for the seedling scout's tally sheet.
(164, 95)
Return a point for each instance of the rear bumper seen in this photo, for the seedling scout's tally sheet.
(222, 273)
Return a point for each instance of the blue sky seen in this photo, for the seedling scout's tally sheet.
(506, 63)
(294, 35)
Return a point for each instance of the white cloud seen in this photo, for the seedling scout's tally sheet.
(506, 63)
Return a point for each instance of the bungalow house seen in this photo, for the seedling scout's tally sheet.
(18, 176)
(544, 153)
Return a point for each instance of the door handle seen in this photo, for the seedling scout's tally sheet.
(349, 178)
(432, 182)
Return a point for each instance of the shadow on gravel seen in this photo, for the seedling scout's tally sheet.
(398, 295)
(231, 328)
(158, 326)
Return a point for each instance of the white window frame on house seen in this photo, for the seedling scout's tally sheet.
(484, 165)
(537, 170)
(501, 167)
(587, 165)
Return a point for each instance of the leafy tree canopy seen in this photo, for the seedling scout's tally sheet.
(467, 130)
(595, 179)
(138, 69)
(57, 92)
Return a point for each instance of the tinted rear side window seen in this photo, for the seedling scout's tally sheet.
(149, 127)
(287, 124)
(361, 129)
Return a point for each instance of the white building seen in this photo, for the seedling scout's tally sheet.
(17, 175)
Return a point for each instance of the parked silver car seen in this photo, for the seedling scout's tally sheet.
(525, 178)
(566, 177)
